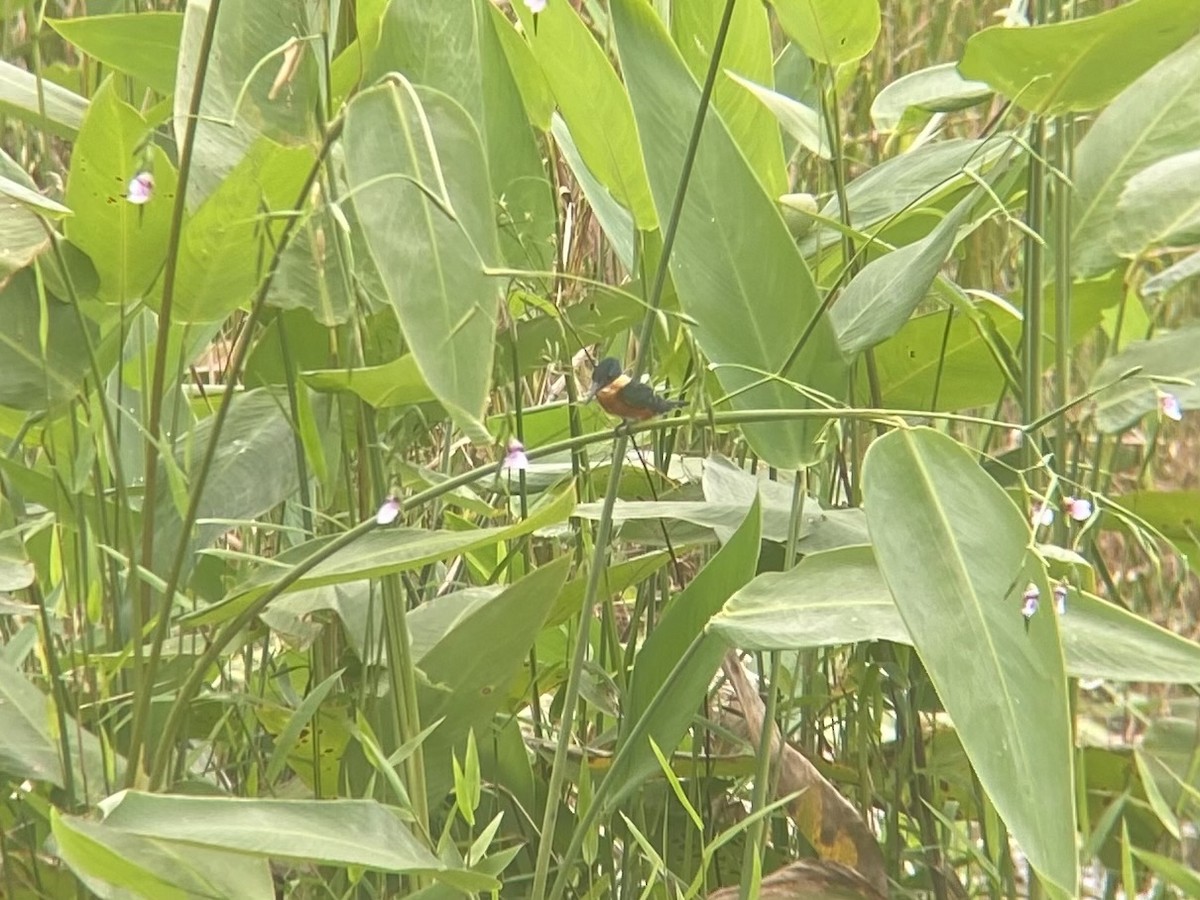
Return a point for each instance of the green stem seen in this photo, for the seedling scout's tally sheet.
(236, 363)
(620, 445)
(158, 387)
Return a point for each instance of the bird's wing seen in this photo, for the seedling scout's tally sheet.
(641, 395)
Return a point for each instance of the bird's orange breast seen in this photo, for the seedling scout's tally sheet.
(612, 398)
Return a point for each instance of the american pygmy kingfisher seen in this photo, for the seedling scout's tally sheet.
(621, 396)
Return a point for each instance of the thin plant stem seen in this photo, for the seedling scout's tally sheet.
(620, 444)
(158, 387)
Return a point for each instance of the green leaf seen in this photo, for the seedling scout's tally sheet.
(1166, 355)
(28, 749)
(31, 750)
(32, 378)
(253, 471)
(747, 56)
(421, 190)
(749, 315)
(144, 45)
(470, 669)
(933, 89)
(593, 103)
(830, 31)
(1171, 871)
(330, 832)
(24, 96)
(829, 598)
(839, 597)
(800, 121)
(1157, 208)
(382, 552)
(1082, 64)
(25, 194)
(127, 243)
(225, 244)
(105, 858)
(453, 47)
(398, 383)
(957, 365)
(238, 105)
(1156, 117)
(535, 92)
(1168, 279)
(954, 551)
(922, 177)
(653, 719)
(880, 298)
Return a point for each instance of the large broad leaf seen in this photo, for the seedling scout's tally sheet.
(946, 360)
(253, 471)
(880, 298)
(241, 102)
(382, 552)
(1171, 355)
(1082, 64)
(126, 243)
(921, 177)
(664, 718)
(1154, 118)
(802, 122)
(934, 89)
(331, 832)
(954, 551)
(421, 189)
(593, 103)
(33, 376)
(747, 54)
(30, 750)
(830, 31)
(398, 383)
(727, 504)
(1157, 208)
(470, 668)
(839, 597)
(452, 47)
(735, 266)
(39, 102)
(23, 214)
(144, 45)
(225, 243)
(108, 858)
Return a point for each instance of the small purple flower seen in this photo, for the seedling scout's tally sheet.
(536, 6)
(1042, 515)
(1060, 598)
(1077, 508)
(1029, 604)
(1168, 405)
(389, 511)
(141, 188)
(515, 459)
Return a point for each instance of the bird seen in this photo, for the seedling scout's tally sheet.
(632, 401)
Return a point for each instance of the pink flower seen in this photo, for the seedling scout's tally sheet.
(1029, 604)
(515, 458)
(1060, 598)
(536, 6)
(1168, 405)
(141, 188)
(1078, 509)
(389, 511)
(1042, 515)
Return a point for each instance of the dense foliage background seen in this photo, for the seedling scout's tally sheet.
(322, 578)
